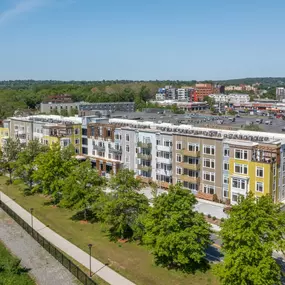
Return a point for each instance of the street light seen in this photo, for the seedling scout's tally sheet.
(90, 246)
(32, 222)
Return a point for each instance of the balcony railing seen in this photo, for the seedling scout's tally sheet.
(191, 179)
(190, 153)
(144, 145)
(144, 168)
(115, 150)
(99, 147)
(189, 165)
(144, 156)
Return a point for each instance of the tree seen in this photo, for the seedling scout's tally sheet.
(25, 163)
(254, 229)
(177, 235)
(82, 188)
(123, 205)
(52, 168)
(9, 155)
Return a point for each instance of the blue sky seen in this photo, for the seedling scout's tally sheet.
(141, 39)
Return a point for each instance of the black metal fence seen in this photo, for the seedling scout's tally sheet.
(63, 259)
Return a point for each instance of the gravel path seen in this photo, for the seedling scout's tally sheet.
(45, 269)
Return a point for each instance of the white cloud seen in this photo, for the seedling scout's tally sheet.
(24, 6)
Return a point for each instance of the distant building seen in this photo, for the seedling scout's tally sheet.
(59, 98)
(230, 98)
(280, 93)
(82, 107)
(203, 90)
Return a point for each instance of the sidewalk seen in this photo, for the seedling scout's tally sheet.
(104, 272)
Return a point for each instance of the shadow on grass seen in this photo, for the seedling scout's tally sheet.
(192, 268)
(82, 216)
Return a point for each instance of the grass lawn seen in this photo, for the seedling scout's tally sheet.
(8, 276)
(133, 261)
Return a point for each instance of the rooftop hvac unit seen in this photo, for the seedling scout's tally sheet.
(230, 136)
(235, 136)
(250, 138)
(266, 139)
(240, 137)
(255, 138)
(245, 137)
(225, 135)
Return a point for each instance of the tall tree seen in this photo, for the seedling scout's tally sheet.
(52, 168)
(255, 228)
(25, 166)
(9, 156)
(82, 188)
(123, 204)
(177, 235)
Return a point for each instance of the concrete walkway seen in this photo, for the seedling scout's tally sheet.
(104, 272)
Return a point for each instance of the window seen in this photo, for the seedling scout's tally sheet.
(167, 143)
(193, 147)
(157, 142)
(77, 141)
(226, 179)
(209, 176)
(241, 168)
(108, 132)
(127, 148)
(209, 189)
(234, 197)
(259, 186)
(178, 158)
(76, 150)
(127, 159)
(178, 145)
(274, 170)
(225, 193)
(76, 131)
(226, 152)
(210, 163)
(209, 149)
(259, 171)
(238, 183)
(241, 154)
(226, 166)
(109, 155)
(84, 141)
(127, 137)
(178, 170)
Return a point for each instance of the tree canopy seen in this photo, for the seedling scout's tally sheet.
(177, 235)
(254, 229)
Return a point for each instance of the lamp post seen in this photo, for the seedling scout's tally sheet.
(90, 247)
(32, 221)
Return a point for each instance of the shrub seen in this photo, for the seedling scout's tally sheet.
(214, 218)
(209, 216)
(222, 219)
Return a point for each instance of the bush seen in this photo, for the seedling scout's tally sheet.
(209, 216)
(222, 219)
(214, 218)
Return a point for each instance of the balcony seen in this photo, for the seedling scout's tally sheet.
(114, 150)
(191, 179)
(164, 160)
(144, 156)
(164, 148)
(144, 168)
(190, 153)
(189, 166)
(99, 147)
(164, 172)
(144, 145)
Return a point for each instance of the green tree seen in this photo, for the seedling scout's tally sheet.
(9, 156)
(254, 229)
(25, 163)
(82, 188)
(123, 204)
(52, 168)
(177, 235)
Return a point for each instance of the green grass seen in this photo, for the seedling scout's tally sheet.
(10, 273)
(131, 260)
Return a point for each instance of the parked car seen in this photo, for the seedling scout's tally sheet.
(259, 121)
(268, 122)
(283, 129)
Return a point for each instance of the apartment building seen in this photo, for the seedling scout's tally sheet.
(280, 93)
(47, 129)
(104, 150)
(203, 90)
(231, 98)
(213, 164)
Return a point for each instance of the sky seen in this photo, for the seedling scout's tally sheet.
(141, 39)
